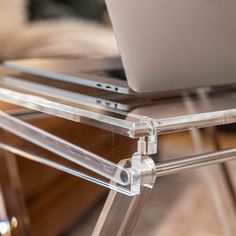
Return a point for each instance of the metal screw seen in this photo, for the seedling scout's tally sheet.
(124, 176)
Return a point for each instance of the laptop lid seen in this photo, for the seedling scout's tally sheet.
(169, 44)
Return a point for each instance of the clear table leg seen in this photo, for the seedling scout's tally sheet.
(120, 213)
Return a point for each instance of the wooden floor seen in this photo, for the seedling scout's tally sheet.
(179, 205)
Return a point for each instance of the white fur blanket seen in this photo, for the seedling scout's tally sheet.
(20, 39)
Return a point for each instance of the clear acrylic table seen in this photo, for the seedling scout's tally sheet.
(142, 118)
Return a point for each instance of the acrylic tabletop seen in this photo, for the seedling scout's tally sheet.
(132, 115)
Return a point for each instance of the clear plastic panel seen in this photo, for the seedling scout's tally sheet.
(66, 169)
(167, 112)
(126, 179)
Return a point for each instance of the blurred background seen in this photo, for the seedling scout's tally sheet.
(51, 28)
(50, 9)
(59, 204)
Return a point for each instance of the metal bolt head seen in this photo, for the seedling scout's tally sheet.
(124, 176)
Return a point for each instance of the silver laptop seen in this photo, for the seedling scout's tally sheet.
(165, 45)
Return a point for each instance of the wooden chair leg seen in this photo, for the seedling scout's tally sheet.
(12, 206)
